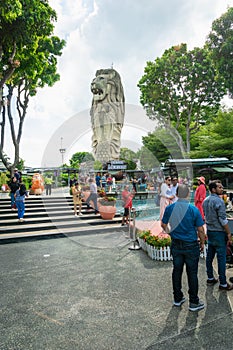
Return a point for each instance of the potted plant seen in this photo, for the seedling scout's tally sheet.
(107, 207)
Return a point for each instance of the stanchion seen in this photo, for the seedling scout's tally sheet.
(135, 245)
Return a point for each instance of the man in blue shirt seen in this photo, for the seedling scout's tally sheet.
(218, 233)
(186, 225)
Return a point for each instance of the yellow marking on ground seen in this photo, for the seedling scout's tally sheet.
(45, 317)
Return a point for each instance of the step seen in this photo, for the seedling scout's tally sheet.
(52, 216)
(71, 232)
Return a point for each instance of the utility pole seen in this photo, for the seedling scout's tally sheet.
(62, 151)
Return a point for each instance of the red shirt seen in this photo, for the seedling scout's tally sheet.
(127, 198)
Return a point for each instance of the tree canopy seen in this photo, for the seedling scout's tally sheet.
(220, 44)
(216, 138)
(28, 60)
(179, 89)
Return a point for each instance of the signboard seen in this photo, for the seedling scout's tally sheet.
(117, 166)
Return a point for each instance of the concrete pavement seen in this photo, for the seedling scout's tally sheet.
(93, 293)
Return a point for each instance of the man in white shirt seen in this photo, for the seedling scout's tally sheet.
(174, 188)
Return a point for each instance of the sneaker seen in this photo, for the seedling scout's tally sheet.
(75, 215)
(122, 224)
(196, 307)
(227, 287)
(80, 214)
(211, 282)
(179, 303)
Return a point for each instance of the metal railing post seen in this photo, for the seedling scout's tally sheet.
(135, 245)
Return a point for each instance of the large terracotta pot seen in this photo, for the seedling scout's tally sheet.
(86, 194)
(107, 212)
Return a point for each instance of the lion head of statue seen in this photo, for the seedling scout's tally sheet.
(107, 113)
(107, 84)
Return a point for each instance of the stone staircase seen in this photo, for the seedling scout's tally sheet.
(47, 216)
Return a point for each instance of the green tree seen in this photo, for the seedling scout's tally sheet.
(216, 138)
(129, 157)
(179, 89)
(161, 145)
(28, 60)
(80, 157)
(220, 44)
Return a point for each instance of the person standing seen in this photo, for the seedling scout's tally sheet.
(200, 195)
(218, 233)
(93, 196)
(20, 195)
(14, 185)
(97, 180)
(17, 175)
(127, 200)
(77, 198)
(48, 185)
(166, 195)
(174, 188)
(186, 225)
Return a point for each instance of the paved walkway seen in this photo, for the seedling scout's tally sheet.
(93, 293)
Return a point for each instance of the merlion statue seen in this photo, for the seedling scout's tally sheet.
(107, 114)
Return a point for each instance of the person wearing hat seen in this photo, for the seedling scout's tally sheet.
(200, 195)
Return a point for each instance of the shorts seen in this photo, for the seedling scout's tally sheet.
(126, 211)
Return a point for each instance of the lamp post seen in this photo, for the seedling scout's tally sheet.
(62, 151)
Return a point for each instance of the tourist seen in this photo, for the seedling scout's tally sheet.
(218, 234)
(127, 202)
(186, 225)
(109, 182)
(134, 183)
(48, 185)
(14, 185)
(17, 175)
(77, 198)
(200, 195)
(174, 188)
(114, 184)
(166, 195)
(20, 195)
(98, 179)
(103, 181)
(93, 195)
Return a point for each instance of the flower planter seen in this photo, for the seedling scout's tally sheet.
(107, 212)
(162, 254)
(86, 194)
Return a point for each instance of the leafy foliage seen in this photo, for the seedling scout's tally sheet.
(216, 138)
(80, 157)
(179, 89)
(220, 44)
(28, 60)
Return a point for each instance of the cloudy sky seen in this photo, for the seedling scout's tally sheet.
(99, 34)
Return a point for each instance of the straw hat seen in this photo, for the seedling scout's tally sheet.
(202, 179)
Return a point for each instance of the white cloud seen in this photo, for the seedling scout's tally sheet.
(127, 33)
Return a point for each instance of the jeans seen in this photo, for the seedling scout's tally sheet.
(48, 188)
(21, 209)
(185, 253)
(93, 197)
(12, 199)
(217, 244)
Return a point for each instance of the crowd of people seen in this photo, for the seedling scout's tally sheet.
(185, 224)
(189, 225)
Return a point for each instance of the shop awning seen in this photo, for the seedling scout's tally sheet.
(224, 169)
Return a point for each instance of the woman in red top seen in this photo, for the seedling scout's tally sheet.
(127, 199)
(200, 195)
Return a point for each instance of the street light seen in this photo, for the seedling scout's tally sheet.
(62, 151)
